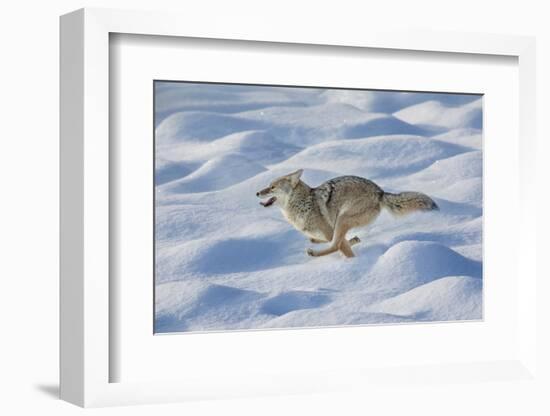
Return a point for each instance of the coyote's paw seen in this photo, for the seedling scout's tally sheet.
(311, 253)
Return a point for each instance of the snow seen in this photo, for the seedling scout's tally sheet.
(211, 175)
(436, 300)
(435, 113)
(223, 262)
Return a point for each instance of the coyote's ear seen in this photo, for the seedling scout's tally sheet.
(295, 177)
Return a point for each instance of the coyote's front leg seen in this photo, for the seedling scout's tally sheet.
(317, 241)
(338, 242)
(352, 241)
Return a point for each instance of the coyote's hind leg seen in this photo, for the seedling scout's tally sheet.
(345, 248)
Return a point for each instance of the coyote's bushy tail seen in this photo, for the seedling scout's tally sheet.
(405, 202)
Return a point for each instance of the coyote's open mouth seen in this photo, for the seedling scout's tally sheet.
(269, 202)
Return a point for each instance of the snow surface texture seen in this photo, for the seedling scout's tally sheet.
(224, 262)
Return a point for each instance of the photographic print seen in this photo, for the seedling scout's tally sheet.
(301, 207)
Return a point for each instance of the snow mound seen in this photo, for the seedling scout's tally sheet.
(391, 101)
(456, 178)
(463, 136)
(448, 298)
(434, 113)
(386, 125)
(230, 304)
(452, 169)
(469, 191)
(375, 156)
(410, 263)
(286, 302)
(320, 117)
(237, 255)
(200, 126)
(168, 170)
(215, 174)
(184, 96)
(257, 145)
(316, 124)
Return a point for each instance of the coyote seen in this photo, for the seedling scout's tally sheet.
(326, 213)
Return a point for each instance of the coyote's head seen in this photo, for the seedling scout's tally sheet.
(280, 189)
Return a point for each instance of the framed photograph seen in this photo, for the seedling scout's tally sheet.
(311, 204)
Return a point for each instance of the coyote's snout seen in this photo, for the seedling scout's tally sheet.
(326, 213)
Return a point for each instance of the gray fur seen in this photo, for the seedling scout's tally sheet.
(406, 202)
(326, 213)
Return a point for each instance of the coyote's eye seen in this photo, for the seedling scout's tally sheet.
(272, 187)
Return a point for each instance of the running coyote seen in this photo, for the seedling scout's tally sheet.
(326, 213)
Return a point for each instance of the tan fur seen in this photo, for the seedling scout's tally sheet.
(326, 213)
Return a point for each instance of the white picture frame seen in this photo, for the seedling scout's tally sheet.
(86, 356)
